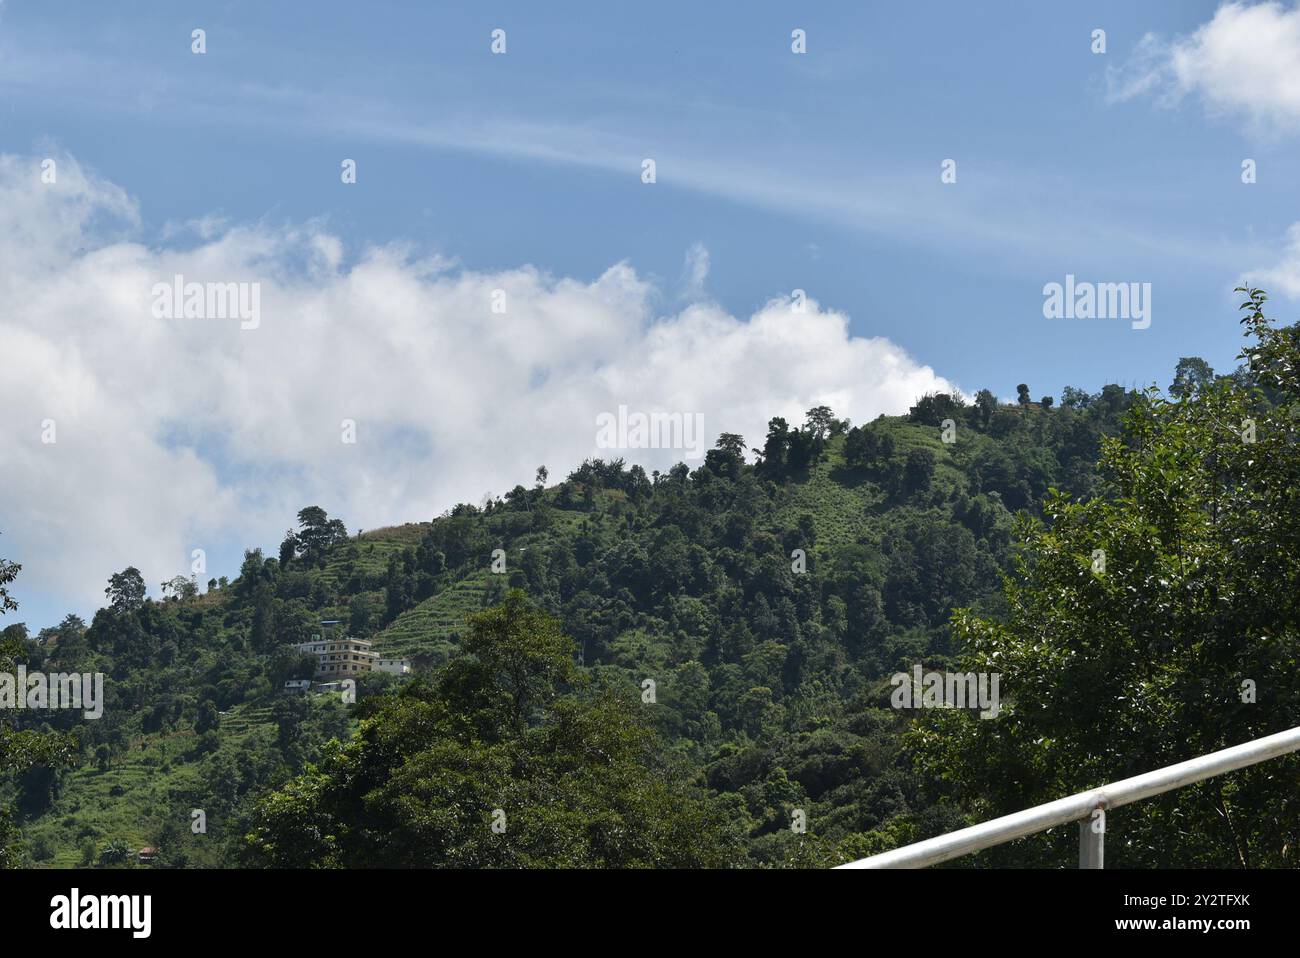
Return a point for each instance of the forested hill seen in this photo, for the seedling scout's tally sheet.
(765, 595)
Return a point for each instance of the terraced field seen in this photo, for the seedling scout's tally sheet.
(373, 549)
(105, 806)
(430, 630)
(843, 505)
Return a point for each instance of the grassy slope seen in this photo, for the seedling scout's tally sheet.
(430, 630)
(151, 774)
(843, 504)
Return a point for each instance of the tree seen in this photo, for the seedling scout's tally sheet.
(986, 404)
(312, 517)
(918, 470)
(502, 759)
(1022, 394)
(288, 548)
(126, 590)
(179, 587)
(398, 590)
(1075, 398)
(8, 572)
(317, 534)
(519, 498)
(819, 421)
(256, 574)
(261, 628)
(522, 653)
(772, 455)
(360, 610)
(288, 713)
(868, 446)
(114, 853)
(728, 457)
(1191, 375)
(22, 750)
(933, 408)
(207, 718)
(1046, 402)
(1156, 623)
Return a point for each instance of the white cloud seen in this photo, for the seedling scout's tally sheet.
(1284, 275)
(1144, 72)
(1245, 62)
(695, 270)
(174, 434)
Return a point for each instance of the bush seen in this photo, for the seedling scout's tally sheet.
(42, 849)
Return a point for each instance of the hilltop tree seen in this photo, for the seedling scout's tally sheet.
(772, 455)
(317, 534)
(126, 590)
(933, 408)
(1191, 375)
(1074, 398)
(1022, 394)
(179, 587)
(868, 446)
(256, 574)
(288, 548)
(727, 458)
(820, 421)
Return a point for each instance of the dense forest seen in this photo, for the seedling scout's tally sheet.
(692, 668)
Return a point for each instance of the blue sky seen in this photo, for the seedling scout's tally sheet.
(817, 171)
(1050, 178)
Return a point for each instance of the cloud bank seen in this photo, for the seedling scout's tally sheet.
(172, 434)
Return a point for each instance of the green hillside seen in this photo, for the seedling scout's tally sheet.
(691, 668)
(768, 672)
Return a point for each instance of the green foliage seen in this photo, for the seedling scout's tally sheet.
(8, 572)
(769, 674)
(1154, 622)
(22, 750)
(1190, 376)
(498, 760)
(126, 590)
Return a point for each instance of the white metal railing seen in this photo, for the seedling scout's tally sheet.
(1086, 808)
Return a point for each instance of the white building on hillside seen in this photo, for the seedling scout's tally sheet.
(343, 657)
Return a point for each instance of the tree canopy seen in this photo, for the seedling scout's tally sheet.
(1153, 622)
(500, 759)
